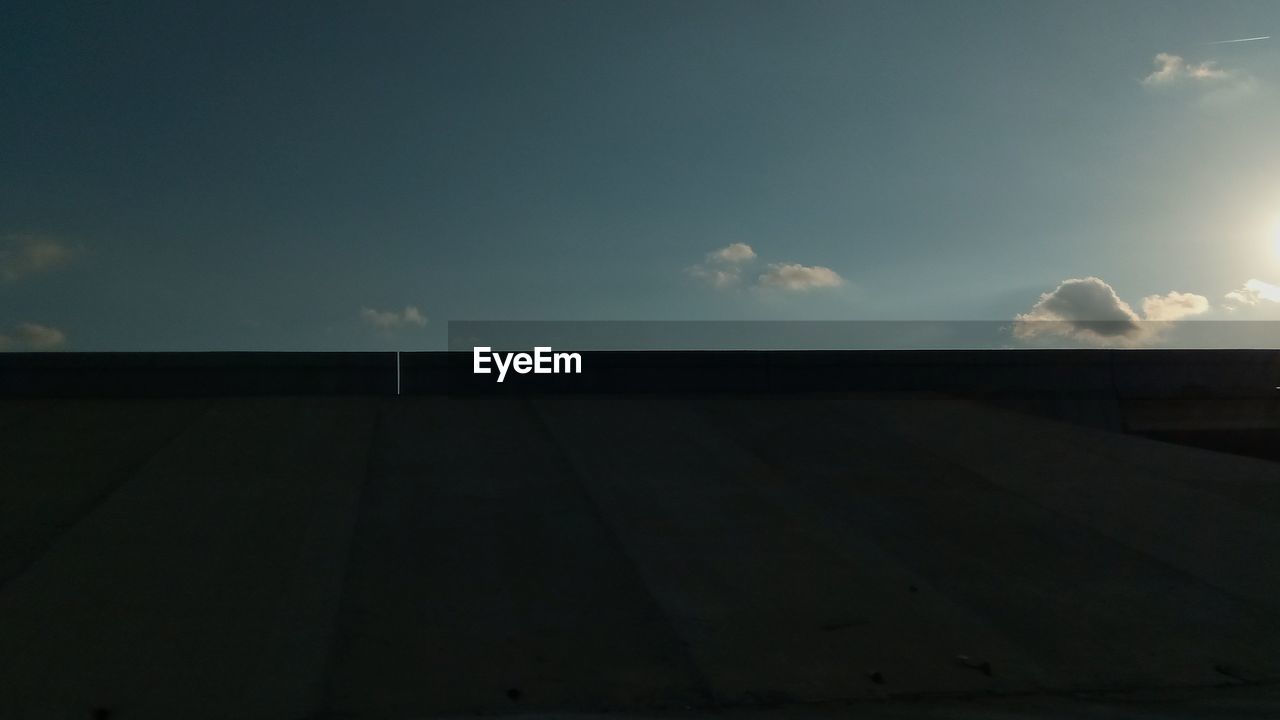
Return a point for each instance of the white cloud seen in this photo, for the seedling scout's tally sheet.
(798, 278)
(723, 268)
(1087, 307)
(1089, 310)
(1173, 306)
(33, 337)
(388, 320)
(414, 317)
(734, 253)
(1213, 85)
(23, 255)
(1253, 292)
(1173, 69)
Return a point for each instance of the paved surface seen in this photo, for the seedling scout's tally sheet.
(773, 556)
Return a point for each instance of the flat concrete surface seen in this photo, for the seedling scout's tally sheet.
(870, 555)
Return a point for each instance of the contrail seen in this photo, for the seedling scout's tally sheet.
(1224, 42)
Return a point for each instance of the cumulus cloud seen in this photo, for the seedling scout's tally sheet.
(23, 255)
(388, 320)
(1253, 292)
(1089, 310)
(1173, 69)
(33, 337)
(733, 253)
(1081, 305)
(723, 268)
(1173, 306)
(1211, 84)
(798, 278)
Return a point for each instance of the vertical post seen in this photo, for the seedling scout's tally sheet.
(397, 372)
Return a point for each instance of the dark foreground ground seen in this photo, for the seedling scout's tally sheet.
(852, 554)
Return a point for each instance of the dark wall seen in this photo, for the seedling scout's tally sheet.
(195, 374)
(1122, 373)
(1117, 373)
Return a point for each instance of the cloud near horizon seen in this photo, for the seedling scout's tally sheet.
(1089, 310)
(723, 268)
(388, 320)
(799, 278)
(1253, 292)
(24, 255)
(1173, 305)
(33, 337)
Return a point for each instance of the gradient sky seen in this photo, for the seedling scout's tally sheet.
(287, 176)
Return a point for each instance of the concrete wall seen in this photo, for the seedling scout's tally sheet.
(1124, 390)
(1123, 374)
(196, 374)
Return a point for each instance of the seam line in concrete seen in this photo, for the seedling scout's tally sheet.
(325, 694)
(93, 504)
(702, 683)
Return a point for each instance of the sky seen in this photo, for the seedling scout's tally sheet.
(353, 176)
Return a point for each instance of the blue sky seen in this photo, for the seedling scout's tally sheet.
(288, 176)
